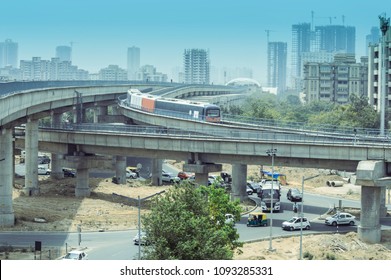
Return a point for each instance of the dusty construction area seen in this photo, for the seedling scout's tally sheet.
(104, 211)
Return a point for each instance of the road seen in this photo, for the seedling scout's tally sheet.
(118, 245)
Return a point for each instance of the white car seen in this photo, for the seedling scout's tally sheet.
(143, 241)
(229, 219)
(76, 255)
(131, 174)
(295, 223)
(341, 219)
(170, 178)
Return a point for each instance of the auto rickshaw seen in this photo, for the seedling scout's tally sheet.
(257, 219)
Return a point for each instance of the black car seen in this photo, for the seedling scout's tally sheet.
(69, 173)
(294, 195)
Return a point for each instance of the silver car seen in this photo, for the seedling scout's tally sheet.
(295, 223)
(341, 219)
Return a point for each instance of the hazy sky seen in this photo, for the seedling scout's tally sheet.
(233, 31)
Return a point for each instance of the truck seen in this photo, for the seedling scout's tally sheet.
(270, 197)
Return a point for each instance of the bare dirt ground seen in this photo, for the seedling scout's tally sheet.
(114, 207)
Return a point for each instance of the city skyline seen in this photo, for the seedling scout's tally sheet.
(232, 31)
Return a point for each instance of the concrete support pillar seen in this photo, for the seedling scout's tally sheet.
(100, 111)
(56, 166)
(116, 110)
(201, 179)
(120, 169)
(201, 171)
(239, 180)
(157, 167)
(383, 207)
(56, 119)
(369, 229)
(371, 175)
(82, 183)
(31, 158)
(7, 215)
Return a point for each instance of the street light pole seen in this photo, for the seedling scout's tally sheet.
(302, 213)
(139, 228)
(272, 153)
(139, 219)
(384, 26)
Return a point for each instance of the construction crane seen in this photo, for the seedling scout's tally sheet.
(268, 34)
(71, 43)
(330, 18)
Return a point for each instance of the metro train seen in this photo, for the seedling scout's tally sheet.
(173, 107)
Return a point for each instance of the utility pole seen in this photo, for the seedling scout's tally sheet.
(384, 26)
(272, 153)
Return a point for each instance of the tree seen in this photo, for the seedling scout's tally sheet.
(188, 223)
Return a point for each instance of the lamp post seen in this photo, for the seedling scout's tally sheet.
(272, 153)
(302, 213)
(384, 26)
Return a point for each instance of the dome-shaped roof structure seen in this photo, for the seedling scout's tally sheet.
(243, 82)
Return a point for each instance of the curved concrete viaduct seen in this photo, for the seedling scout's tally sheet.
(201, 153)
(27, 107)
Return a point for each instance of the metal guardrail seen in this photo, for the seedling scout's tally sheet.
(355, 135)
(213, 134)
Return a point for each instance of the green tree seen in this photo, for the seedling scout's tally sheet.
(187, 223)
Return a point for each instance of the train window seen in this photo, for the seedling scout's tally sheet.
(213, 113)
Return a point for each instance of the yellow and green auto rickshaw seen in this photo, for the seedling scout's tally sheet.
(257, 219)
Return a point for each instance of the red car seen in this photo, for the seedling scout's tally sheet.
(184, 175)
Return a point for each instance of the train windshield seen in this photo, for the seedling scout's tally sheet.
(213, 113)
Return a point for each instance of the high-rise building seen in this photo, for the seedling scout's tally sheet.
(133, 62)
(8, 54)
(335, 38)
(301, 43)
(277, 65)
(336, 81)
(64, 53)
(196, 66)
(54, 69)
(112, 73)
(322, 42)
(375, 71)
(149, 73)
(372, 38)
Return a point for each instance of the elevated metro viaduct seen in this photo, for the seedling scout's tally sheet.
(370, 162)
(27, 107)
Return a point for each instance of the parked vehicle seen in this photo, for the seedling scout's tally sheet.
(254, 186)
(132, 169)
(257, 219)
(216, 180)
(249, 191)
(294, 195)
(170, 178)
(43, 159)
(296, 223)
(68, 172)
(76, 255)
(42, 170)
(341, 219)
(184, 175)
(130, 174)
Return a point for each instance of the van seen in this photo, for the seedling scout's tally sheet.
(43, 170)
(270, 198)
